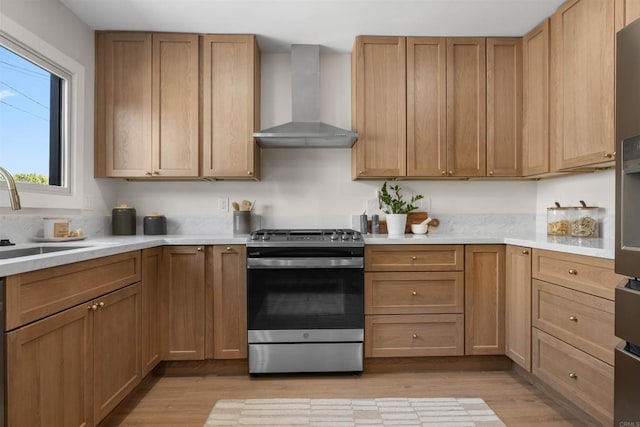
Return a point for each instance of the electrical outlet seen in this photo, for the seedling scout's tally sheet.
(223, 205)
(87, 203)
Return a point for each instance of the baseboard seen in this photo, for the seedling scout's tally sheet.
(437, 363)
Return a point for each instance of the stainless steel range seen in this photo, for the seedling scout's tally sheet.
(305, 301)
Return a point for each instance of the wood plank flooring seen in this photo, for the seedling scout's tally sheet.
(187, 401)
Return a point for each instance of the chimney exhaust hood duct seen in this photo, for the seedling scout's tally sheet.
(306, 130)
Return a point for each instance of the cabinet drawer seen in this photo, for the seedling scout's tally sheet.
(414, 293)
(414, 257)
(580, 319)
(582, 379)
(37, 294)
(594, 276)
(414, 335)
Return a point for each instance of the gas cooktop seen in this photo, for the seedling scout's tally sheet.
(306, 237)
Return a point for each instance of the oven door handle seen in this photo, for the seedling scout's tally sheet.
(275, 263)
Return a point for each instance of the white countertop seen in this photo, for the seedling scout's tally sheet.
(104, 246)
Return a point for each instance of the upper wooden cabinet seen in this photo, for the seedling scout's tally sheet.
(378, 107)
(582, 93)
(535, 101)
(230, 106)
(146, 105)
(627, 11)
(466, 107)
(504, 106)
(446, 131)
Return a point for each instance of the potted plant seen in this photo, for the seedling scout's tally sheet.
(395, 208)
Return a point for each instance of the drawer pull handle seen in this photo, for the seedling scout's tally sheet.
(228, 248)
(572, 271)
(525, 252)
(93, 307)
(199, 249)
(573, 318)
(414, 336)
(100, 304)
(573, 375)
(414, 293)
(414, 257)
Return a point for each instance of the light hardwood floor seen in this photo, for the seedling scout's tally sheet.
(187, 401)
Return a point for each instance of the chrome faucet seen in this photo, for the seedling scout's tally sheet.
(14, 197)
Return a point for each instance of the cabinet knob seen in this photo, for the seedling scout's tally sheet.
(573, 318)
(148, 173)
(573, 271)
(360, 172)
(249, 173)
(490, 173)
(155, 173)
(414, 336)
(609, 155)
(229, 248)
(414, 293)
(573, 375)
(199, 249)
(414, 257)
(525, 252)
(100, 304)
(93, 307)
(444, 173)
(450, 172)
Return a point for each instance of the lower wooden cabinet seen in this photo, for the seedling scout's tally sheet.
(72, 368)
(183, 302)
(484, 290)
(517, 327)
(579, 377)
(151, 301)
(229, 302)
(414, 335)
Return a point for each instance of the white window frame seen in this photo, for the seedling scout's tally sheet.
(68, 196)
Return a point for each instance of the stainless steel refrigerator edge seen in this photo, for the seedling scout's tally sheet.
(627, 245)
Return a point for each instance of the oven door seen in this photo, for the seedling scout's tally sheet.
(305, 298)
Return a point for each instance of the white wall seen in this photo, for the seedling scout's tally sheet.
(53, 31)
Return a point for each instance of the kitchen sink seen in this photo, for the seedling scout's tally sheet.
(36, 250)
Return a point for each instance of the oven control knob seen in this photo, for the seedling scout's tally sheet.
(266, 236)
(345, 236)
(254, 236)
(356, 237)
(334, 236)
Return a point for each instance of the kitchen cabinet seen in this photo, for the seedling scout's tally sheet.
(627, 11)
(151, 349)
(414, 300)
(484, 291)
(183, 302)
(583, 82)
(116, 348)
(230, 106)
(535, 100)
(466, 107)
(147, 93)
(504, 107)
(573, 328)
(517, 328)
(378, 107)
(73, 367)
(230, 302)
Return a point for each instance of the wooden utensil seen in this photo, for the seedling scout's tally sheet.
(236, 206)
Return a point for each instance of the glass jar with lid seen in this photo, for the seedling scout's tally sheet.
(559, 220)
(586, 221)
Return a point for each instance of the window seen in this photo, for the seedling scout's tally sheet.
(33, 118)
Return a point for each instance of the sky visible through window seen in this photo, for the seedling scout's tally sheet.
(24, 115)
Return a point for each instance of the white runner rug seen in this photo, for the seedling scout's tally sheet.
(441, 412)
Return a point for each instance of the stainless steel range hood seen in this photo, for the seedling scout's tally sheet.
(306, 130)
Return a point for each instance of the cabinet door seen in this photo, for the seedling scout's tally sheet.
(484, 299)
(230, 110)
(426, 106)
(582, 62)
(116, 343)
(150, 345)
(378, 89)
(466, 107)
(123, 105)
(230, 302)
(504, 106)
(47, 368)
(183, 284)
(535, 99)
(518, 306)
(175, 105)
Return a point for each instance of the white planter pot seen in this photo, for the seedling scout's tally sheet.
(396, 223)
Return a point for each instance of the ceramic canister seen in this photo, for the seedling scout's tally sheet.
(154, 224)
(123, 221)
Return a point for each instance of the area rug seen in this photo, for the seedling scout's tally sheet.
(392, 411)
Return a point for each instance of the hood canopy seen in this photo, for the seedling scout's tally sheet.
(306, 130)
